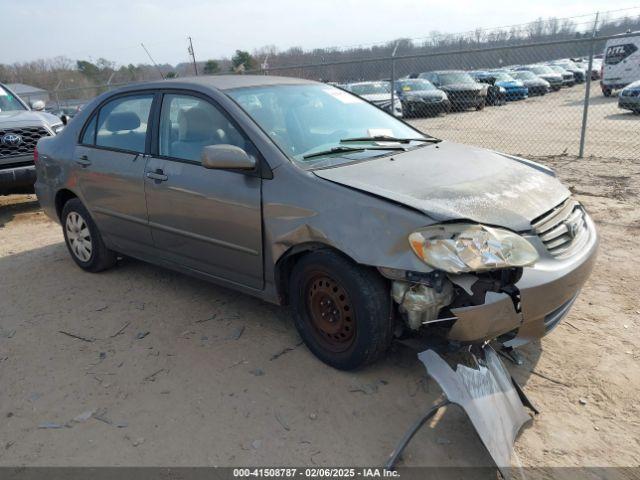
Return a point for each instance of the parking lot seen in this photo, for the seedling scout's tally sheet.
(545, 126)
(180, 372)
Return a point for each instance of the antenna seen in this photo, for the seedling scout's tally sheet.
(193, 56)
(152, 60)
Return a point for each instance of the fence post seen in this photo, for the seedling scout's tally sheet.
(55, 91)
(587, 92)
(393, 78)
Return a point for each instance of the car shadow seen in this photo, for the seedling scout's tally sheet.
(10, 210)
(624, 116)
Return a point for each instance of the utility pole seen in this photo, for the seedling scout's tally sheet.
(393, 77)
(587, 92)
(152, 61)
(193, 56)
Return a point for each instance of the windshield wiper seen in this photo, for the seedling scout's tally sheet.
(388, 138)
(348, 149)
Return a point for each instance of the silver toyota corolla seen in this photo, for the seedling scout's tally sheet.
(300, 193)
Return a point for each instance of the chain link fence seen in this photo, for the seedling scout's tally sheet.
(564, 118)
(560, 117)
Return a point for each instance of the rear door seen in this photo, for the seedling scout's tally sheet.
(205, 220)
(110, 161)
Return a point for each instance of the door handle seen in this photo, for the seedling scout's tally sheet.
(157, 175)
(83, 160)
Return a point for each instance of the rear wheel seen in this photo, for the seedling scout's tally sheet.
(606, 92)
(83, 239)
(341, 310)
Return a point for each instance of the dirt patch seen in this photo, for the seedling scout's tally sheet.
(158, 368)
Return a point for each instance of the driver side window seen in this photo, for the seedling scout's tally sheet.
(187, 124)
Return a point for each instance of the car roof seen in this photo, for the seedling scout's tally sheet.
(223, 82)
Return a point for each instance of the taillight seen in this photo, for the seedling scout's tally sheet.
(35, 155)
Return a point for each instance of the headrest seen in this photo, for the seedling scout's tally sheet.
(118, 122)
(196, 124)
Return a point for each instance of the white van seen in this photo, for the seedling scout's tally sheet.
(621, 65)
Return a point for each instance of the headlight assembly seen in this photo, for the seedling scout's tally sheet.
(57, 128)
(460, 248)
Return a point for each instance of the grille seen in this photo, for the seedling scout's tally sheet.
(29, 137)
(563, 230)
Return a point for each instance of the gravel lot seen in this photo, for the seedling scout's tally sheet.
(547, 125)
(182, 372)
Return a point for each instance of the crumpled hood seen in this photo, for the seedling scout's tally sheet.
(449, 181)
(21, 118)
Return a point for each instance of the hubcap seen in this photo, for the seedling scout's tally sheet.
(331, 313)
(78, 236)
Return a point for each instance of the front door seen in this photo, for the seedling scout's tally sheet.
(206, 220)
(110, 162)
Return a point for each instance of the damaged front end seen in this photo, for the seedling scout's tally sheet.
(446, 304)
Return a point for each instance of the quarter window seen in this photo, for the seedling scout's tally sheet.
(187, 124)
(89, 135)
(122, 123)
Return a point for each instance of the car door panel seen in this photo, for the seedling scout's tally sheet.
(112, 186)
(208, 220)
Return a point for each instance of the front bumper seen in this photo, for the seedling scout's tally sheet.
(517, 93)
(20, 174)
(629, 103)
(547, 291)
(412, 107)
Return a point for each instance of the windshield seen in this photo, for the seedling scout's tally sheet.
(307, 119)
(541, 69)
(369, 88)
(524, 75)
(8, 102)
(455, 77)
(503, 77)
(415, 85)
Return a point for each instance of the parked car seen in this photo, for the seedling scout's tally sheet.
(534, 84)
(301, 193)
(545, 73)
(568, 78)
(515, 89)
(378, 93)
(496, 95)
(629, 97)
(20, 129)
(579, 74)
(621, 65)
(463, 91)
(420, 97)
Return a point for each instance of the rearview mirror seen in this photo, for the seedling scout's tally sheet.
(37, 105)
(226, 156)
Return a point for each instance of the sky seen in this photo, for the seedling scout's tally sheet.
(114, 29)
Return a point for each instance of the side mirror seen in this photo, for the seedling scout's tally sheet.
(65, 119)
(37, 105)
(226, 156)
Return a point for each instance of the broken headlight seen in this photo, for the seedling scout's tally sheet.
(460, 248)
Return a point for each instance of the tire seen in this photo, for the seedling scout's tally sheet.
(87, 249)
(606, 92)
(481, 105)
(356, 300)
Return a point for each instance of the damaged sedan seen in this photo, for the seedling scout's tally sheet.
(303, 194)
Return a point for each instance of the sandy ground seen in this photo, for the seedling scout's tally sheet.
(182, 372)
(545, 125)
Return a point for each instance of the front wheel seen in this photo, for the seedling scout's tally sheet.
(481, 105)
(83, 239)
(341, 310)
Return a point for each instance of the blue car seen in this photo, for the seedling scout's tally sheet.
(514, 89)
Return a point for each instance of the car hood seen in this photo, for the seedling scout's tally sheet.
(377, 97)
(510, 83)
(449, 181)
(461, 87)
(424, 93)
(551, 76)
(21, 118)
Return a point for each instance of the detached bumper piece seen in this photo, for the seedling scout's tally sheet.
(488, 395)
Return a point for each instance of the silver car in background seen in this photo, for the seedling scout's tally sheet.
(629, 97)
(378, 93)
(300, 193)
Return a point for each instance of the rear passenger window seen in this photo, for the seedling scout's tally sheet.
(122, 123)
